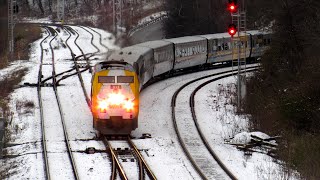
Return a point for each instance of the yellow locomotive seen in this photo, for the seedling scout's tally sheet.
(115, 98)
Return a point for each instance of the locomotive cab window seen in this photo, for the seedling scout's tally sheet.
(125, 79)
(106, 79)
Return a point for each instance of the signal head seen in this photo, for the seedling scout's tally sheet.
(232, 6)
(232, 30)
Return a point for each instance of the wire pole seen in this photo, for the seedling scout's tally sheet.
(117, 15)
(60, 11)
(12, 10)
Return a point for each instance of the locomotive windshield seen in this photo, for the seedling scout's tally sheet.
(106, 79)
(112, 79)
(125, 79)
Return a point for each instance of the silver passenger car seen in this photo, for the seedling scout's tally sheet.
(163, 55)
(189, 51)
(260, 42)
(219, 47)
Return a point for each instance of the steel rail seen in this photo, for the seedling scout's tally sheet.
(92, 37)
(204, 140)
(86, 58)
(75, 42)
(116, 163)
(88, 100)
(71, 158)
(100, 39)
(48, 78)
(69, 75)
(173, 104)
(142, 161)
(44, 141)
(113, 173)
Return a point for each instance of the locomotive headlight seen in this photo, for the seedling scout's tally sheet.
(102, 104)
(128, 105)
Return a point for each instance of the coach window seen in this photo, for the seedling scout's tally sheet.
(214, 45)
(159, 58)
(222, 44)
(219, 45)
(179, 53)
(183, 52)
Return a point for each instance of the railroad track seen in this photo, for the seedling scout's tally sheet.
(85, 56)
(113, 152)
(143, 168)
(120, 151)
(100, 38)
(44, 142)
(207, 164)
(92, 37)
(74, 59)
(45, 106)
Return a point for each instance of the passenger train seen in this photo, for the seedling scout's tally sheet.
(116, 82)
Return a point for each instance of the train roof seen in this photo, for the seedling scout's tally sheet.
(254, 32)
(111, 65)
(154, 44)
(215, 36)
(129, 54)
(185, 39)
(227, 35)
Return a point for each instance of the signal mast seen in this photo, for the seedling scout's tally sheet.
(239, 43)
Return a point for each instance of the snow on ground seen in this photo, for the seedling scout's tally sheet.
(162, 151)
(25, 126)
(45, 20)
(218, 126)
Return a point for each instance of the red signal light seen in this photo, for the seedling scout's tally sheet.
(232, 6)
(232, 30)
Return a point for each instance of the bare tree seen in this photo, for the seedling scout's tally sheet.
(26, 2)
(40, 6)
(50, 5)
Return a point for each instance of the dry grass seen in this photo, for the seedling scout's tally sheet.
(3, 60)
(25, 107)
(25, 34)
(302, 153)
(286, 106)
(7, 85)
